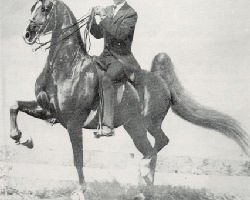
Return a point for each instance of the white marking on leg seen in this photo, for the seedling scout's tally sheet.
(140, 197)
(77, 195)
(145, 175)
(146, 101)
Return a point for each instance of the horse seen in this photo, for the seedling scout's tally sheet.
(68, 92)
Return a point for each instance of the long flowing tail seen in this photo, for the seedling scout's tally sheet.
(184, 106)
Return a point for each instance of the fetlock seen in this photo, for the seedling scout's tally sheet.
(15, 134)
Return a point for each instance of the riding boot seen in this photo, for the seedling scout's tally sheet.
(108, 98)
(108, 113)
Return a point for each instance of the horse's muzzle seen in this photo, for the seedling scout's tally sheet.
(29, 37)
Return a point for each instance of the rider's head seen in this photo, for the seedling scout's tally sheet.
(117, 2)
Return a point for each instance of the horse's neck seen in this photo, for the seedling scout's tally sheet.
(66, 41)
(61, 47)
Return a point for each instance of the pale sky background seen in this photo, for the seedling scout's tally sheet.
(208, 41)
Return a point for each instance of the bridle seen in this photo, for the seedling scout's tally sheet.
(43, 26)
(86, 19)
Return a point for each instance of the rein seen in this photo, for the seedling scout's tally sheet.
(87, 30)
(65, 37)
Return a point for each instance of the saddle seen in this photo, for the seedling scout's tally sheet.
(129, 77)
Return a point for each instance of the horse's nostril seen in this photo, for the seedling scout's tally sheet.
(27, 35)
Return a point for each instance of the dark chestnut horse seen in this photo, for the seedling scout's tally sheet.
(67, 91)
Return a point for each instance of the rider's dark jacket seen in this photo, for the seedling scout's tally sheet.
(118, 33)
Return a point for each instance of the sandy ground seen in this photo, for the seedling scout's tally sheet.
(46, 171)
(48, 174)
(36, 189)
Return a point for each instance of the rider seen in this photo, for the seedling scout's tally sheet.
(116, 26)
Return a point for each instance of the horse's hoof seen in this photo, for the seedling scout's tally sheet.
(28, 143)
(15, 135)
(77, 195)
(140, 197)
(164, 142)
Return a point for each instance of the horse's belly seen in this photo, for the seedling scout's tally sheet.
(127, 105)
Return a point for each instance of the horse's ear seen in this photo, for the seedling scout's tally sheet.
(33, 7)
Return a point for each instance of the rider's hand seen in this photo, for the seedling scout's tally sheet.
(99, 10)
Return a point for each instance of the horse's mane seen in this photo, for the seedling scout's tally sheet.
(67, 12)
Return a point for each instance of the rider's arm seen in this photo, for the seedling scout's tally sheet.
(96, 30)
(120, 30)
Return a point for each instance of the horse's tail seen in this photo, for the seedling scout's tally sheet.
(184, 106)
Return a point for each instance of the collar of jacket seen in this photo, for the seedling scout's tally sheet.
(120, 14)
(118, 7)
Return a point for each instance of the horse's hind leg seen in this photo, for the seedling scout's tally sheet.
(138, 133)
(29, 107)
(154, 128)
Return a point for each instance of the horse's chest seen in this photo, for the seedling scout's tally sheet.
(73, 92)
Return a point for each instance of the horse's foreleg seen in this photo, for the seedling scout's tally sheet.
(15, 133)
(75, 133)
(29, 107)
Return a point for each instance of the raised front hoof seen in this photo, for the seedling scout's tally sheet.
(16, 135)
(28, 143)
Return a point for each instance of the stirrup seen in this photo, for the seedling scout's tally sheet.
(101, 133)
